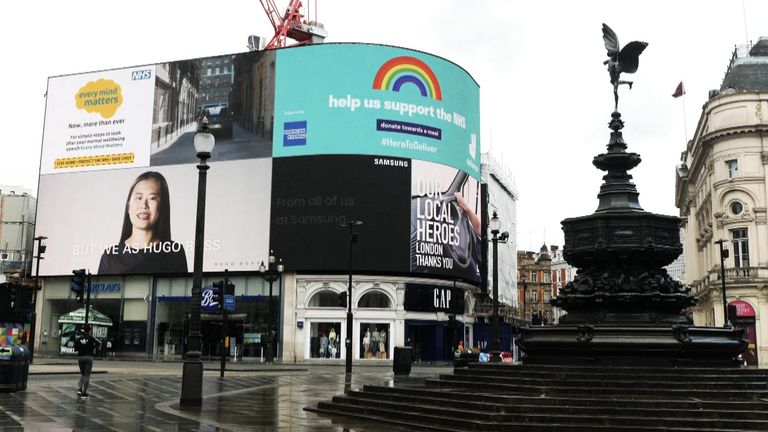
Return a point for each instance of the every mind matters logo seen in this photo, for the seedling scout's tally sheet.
(100, 96)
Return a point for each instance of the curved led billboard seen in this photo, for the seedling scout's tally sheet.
(307, 138)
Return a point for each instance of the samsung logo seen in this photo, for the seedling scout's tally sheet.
(141, 74)
(391, 162)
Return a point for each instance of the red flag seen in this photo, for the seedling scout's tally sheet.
(679, 91)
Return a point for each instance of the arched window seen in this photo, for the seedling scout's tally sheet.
(324, 299)
(374, 299)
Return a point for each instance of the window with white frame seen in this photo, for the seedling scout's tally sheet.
(733, 168)
(740, 247)
(325, 298)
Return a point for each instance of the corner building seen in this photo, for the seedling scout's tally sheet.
(394, 144)
(722, 193)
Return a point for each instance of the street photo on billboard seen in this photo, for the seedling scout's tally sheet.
(232, 94)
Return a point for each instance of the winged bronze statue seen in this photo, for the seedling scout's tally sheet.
(624, 60)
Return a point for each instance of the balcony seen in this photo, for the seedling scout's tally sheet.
(734, 277)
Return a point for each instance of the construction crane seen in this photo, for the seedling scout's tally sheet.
(291, 26)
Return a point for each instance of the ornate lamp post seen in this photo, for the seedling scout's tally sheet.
(495, 225)
(40, 251)
(348, 339)
(723, 256)
(192, 375)
(272, 272)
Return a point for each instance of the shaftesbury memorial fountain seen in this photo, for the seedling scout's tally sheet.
(622, 307)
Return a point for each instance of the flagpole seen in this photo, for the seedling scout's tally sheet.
(685, 122)
(680, 93)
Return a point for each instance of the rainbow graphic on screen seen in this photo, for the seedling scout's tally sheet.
(399, 71)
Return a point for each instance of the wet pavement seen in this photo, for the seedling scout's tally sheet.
(144, 396)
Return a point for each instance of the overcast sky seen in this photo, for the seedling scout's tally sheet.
(545, 94)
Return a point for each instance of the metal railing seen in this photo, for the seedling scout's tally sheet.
(733, 276)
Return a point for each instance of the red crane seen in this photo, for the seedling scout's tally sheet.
(291, 26)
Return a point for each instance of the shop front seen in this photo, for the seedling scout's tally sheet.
(387, 311)
(71, 324)
(150, 316)
(434, 339)
(121, 305)
(745, 319)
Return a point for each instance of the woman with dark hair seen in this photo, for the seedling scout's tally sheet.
(145, 244)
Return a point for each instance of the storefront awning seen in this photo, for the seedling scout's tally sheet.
(78, 317)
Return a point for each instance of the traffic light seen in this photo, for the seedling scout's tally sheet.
(230, 289)
(218, 294)
(78, 284)
(13, 292)
(343, 299)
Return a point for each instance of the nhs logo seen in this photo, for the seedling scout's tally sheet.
(141, 74)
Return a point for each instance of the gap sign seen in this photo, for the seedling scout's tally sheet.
(432, 298)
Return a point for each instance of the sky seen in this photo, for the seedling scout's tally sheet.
(545, 94)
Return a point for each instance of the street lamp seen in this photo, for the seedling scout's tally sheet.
(192, 375)
(525, 295)
(723, 256)
(348, 339)
(495, 226)
(33, 317)
(270, 273)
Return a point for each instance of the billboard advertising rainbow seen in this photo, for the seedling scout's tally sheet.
(307, 138)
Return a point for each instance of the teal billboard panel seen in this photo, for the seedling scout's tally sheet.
(376, 100)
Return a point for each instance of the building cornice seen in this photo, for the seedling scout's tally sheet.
(720, 134)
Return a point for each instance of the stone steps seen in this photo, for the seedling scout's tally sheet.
(544, 398)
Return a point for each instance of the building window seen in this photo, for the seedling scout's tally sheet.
(535, 296)
(374, 299)
(740, 247)
(324, 299)
(736, 208)
(534, 277)
(733, 168)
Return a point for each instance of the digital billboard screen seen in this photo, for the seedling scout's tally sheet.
(295, 158)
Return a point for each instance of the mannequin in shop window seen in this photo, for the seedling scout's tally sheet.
(323, 345)
(332, 342)
(383, 344)
(375, 339)
(367, 344)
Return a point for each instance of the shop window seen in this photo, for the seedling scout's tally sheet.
(740, 247)
(324, 299)
(375, 299)
(374, 339)
(325, 340)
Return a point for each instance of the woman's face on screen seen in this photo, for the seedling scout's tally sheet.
(144, 204)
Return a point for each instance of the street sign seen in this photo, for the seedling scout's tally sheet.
(229, 302)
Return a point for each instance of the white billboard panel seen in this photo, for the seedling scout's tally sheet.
(86, 216)
(100, 120)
